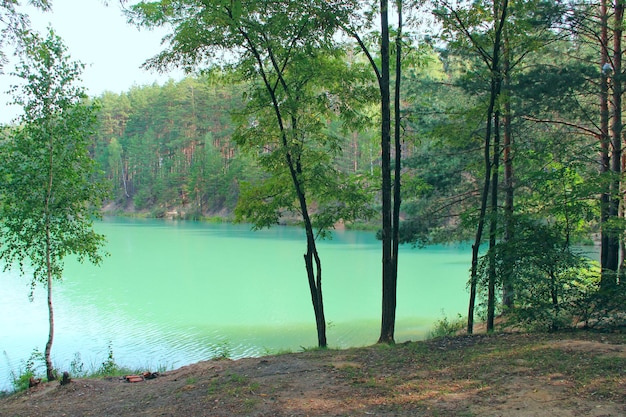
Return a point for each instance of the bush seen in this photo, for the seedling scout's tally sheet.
(445, 327)
(549, 279)
(33, 368)
(603, 309)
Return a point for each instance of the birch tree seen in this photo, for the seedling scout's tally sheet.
(48, 198)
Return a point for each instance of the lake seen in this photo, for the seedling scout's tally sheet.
(173, 293)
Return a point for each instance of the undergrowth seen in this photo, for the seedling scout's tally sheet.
(446, 327)
(33, 370)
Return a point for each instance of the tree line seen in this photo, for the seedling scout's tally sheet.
(171, 148)
(496, 122)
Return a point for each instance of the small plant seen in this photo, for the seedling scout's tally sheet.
(30, 370)
(445, 327)
(249, 404)
(162, 368)
(223, 350)
(77, 367)
(109, 367)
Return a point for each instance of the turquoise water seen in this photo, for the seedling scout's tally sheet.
(172, 293)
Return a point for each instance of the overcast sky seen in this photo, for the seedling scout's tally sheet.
(99, 37)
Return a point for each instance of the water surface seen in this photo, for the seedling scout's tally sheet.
(172, 293)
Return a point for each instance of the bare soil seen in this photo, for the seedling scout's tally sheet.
(557, 375)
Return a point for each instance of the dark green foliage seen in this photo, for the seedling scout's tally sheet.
(441, 174)
(599, 308)
(548, 113)
(169, 147)
(439, 184)
(109, 366)
(549, 278)
(447, 327)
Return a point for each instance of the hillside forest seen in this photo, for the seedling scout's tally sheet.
(497, 122)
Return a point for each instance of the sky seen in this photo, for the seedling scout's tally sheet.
(99, 37)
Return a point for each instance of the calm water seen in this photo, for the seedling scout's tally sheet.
(173, 293)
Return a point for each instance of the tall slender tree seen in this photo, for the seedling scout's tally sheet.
(612, 265)
(397, 129)
(349, 19)
(285, 49)
(600, 26)
(388, 319)
(460, 20)
(508, 294)
(605, 197)
(48, 196)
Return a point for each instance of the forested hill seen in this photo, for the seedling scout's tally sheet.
(167, 148)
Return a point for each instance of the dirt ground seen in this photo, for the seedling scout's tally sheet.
(513, 375)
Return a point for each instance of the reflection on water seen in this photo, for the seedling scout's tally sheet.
(173, 293)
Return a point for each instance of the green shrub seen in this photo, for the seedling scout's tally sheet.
(223, 350)
(445, 327)
(33, 367)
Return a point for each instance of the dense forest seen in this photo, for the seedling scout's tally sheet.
(169, 150)
(495, 122)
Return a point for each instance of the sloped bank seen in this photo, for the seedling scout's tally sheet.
(562, 374)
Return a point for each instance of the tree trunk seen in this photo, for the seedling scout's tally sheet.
(492, 113)
(554, 294)
(397, 199)
(493, 219)
(616, 139)
(355, 152)
(607, 275)
(124, 174)
(481, 220)
(508, 292)
(47, 354)
(49, 367)
(314, 274)
(312, 260)
(47, 221)
(389, 282)
(622, 214)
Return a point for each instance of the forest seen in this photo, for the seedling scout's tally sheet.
(494, 122)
